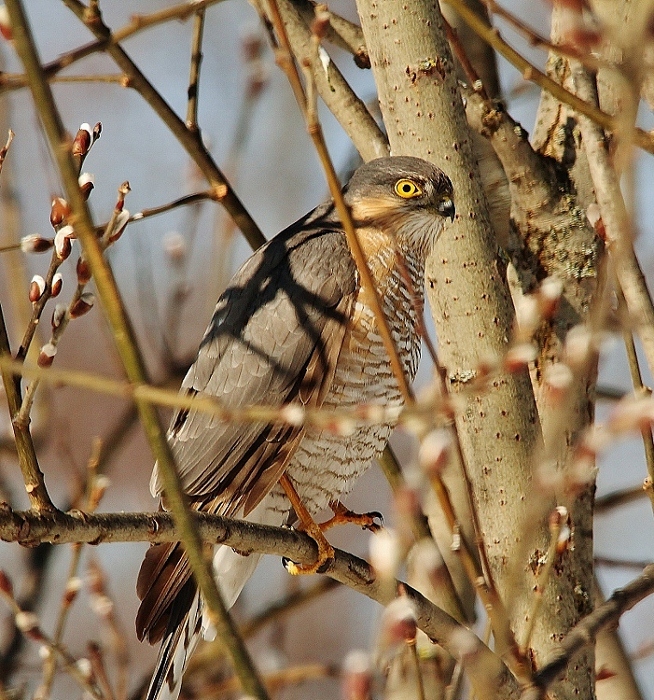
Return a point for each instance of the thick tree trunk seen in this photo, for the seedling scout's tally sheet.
(499, 428)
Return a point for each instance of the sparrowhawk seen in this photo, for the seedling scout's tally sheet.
(294, 326)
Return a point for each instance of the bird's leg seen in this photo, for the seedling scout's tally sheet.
(343, 515)
(311, 527)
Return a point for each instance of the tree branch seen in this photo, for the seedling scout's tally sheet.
(127, 347)
(333, 89)
(529, 72)
(28, 528)
(188, 139)
(584, 632)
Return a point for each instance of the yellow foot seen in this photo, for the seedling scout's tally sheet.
(325, 554)
(308, 525)
(343, 515)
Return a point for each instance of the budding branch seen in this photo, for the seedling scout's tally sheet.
(30, 528)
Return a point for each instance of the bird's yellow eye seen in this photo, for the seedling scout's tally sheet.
(407, 189)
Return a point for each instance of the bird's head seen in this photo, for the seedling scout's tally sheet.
(407, 197)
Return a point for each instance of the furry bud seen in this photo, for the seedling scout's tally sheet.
(35, 244)
(47, 355)
(59, 210)
(37, 287)
(57, 284)
(57, 316)
(83, 271)
(86, 184)
(83, 305)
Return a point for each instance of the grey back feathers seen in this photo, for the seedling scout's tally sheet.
(294, 326)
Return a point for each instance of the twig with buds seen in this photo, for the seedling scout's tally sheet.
(584, 632)
(28, 624)
(95, 489)
(81, 301)
(42, 290)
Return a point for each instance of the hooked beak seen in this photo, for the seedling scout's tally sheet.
(446, 208)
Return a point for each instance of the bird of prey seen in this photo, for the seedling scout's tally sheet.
(294, 326)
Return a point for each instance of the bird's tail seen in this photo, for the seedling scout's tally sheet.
(180, 639)
(188, 621)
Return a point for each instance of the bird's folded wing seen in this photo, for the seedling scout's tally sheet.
(275, 338)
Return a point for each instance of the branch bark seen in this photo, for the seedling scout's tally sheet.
(127, 348)
(473, 312)
(26, 527)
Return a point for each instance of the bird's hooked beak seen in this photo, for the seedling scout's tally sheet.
(446, 208)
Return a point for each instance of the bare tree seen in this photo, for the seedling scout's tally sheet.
(498, 508)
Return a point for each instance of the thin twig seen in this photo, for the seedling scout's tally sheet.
(117, 78)
(99, 669)
(584, 632)
(618, 498)
(541, 582)
(461, 55)
(126, 345)
(529, 72)
(639, 390)
(194, 78)
(186, 200)
(614, 563)
(535, 39)
(420, 684)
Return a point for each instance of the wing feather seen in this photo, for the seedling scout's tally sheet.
(274, 338)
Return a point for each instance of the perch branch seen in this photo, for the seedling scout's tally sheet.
(27, 527)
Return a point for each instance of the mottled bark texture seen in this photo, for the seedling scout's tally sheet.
(473, 312)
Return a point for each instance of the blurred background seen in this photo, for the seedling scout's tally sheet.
(171, 268)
